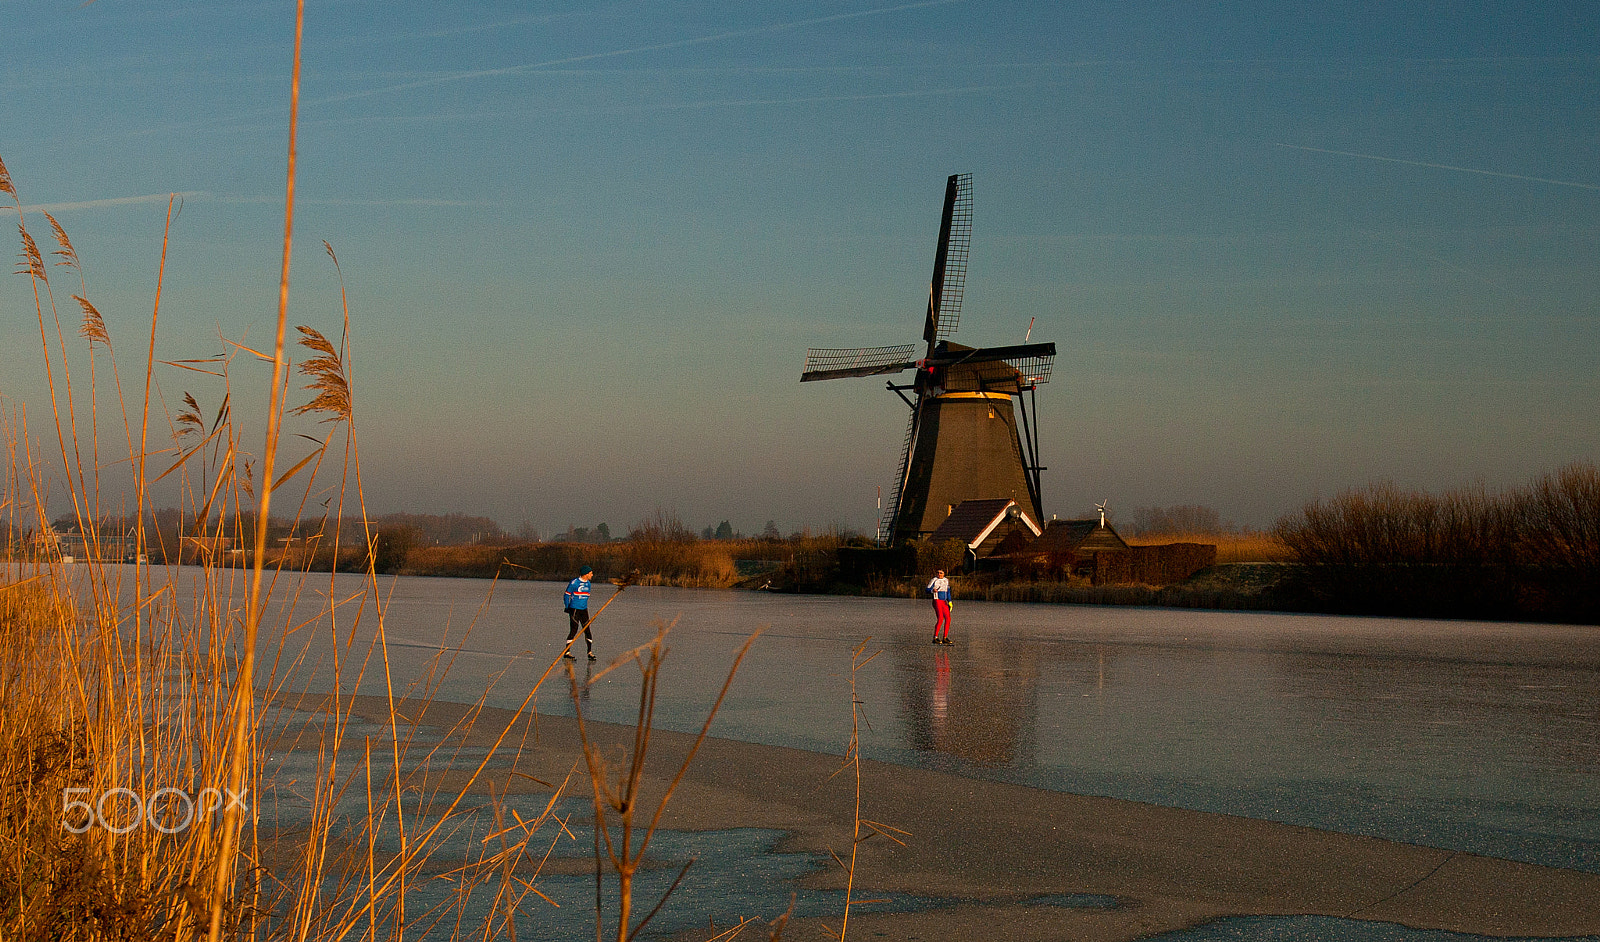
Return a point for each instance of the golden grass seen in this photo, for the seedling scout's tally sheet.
(44, 751)
(1245, 546)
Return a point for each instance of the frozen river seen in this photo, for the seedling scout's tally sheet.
(1473, 736)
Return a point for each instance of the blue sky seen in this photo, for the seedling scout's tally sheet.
(1282, 249)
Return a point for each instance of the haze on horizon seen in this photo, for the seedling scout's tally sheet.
(1282, 251)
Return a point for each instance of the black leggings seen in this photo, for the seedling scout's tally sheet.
(579, 618)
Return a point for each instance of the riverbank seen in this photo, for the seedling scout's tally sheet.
(1241, 586)
(813, 569)
(1232, 586)
(1485, 593)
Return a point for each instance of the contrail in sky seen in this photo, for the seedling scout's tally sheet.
(421, 201)
(683, 106)
(404, 202)
(1423, 163)
(656, 47)
(108, 203)
(818, 99)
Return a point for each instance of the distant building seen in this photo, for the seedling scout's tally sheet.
(1091, 549)
(71, 544)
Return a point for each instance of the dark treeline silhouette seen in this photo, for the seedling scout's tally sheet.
(1528, 553)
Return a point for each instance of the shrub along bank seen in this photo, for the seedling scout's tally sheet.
(1531, 553)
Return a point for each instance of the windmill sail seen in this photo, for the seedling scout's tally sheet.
(950, 261)
(860, 361)
(892, 511)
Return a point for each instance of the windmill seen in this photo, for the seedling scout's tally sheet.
(963, 441)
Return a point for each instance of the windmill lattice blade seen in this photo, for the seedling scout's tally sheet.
(892, 511)
(1035, 370)
(952, 285)
(859, 361)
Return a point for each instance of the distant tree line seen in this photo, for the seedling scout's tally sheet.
(599, 533)
(453, 529)
(1179, 519)
(660, 526)
(168, 528)
(660, 545)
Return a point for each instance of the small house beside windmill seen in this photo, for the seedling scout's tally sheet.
(1067, 548)
(986, 527)
(963, 438)
(1092, 549)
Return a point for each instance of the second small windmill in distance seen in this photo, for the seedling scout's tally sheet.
(963, 441)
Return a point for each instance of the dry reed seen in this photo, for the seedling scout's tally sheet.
(617, 786)
(137, 682)
(1528, 552)
(125, 686)
(852, 761)
(1243, 546)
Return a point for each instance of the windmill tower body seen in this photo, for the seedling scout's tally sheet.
(968, 446)
(964, 440)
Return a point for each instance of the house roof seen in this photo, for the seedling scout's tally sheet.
(973, 520)
(1062, 536)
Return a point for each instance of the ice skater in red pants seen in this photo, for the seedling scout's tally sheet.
(939, 588)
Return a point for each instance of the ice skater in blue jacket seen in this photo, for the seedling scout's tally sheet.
(576, 600)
